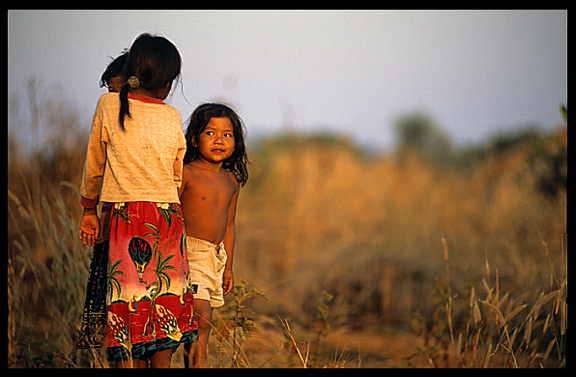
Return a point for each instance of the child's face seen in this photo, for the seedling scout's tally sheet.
(216, 142)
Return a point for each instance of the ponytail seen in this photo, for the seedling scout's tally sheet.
(152, 63)
(124, 105)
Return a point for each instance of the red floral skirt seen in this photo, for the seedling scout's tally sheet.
(149, 300)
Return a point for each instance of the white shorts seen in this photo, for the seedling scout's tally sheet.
(207, 261)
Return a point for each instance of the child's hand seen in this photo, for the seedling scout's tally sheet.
(89, 228)
(227, 280)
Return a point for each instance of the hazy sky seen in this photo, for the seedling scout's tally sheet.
(355, 72)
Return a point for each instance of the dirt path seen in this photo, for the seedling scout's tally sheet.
(379, 350)
(270, 347)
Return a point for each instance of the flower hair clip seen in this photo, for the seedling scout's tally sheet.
(133, 82)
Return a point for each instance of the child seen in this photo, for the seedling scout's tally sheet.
(134, 160)
(112, 77)
(215, 167)
(92, 332)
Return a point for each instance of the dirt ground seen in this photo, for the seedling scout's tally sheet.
(271, 347)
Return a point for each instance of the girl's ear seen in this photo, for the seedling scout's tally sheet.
(194, 142)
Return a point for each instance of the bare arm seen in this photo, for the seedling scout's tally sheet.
(229, 240)
(185, 177)
(91, 180)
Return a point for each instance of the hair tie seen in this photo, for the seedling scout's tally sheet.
(133, 82)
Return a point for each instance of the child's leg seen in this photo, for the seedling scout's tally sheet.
(198, 352)
(162, 359)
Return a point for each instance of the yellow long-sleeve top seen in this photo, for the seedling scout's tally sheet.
(141, 163)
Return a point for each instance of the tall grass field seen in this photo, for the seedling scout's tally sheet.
(463, 262)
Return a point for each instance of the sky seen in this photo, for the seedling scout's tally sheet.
(475, 73)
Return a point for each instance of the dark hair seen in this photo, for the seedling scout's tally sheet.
(236, 163)
(155, 62)
(114, 69)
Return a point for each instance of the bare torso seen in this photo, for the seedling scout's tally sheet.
(207, 201)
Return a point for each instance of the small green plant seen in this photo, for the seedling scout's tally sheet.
(322, 325)
(236, 322)
(437, 332)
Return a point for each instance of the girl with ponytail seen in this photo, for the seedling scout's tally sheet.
(134, 163)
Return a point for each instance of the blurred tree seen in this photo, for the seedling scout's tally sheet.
(550, 160)
(418, 133)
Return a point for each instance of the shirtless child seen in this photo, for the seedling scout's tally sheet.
(214, 169)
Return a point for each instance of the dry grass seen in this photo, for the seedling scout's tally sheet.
(474, 260)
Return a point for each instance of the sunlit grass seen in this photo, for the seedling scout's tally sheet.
(473, 260)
